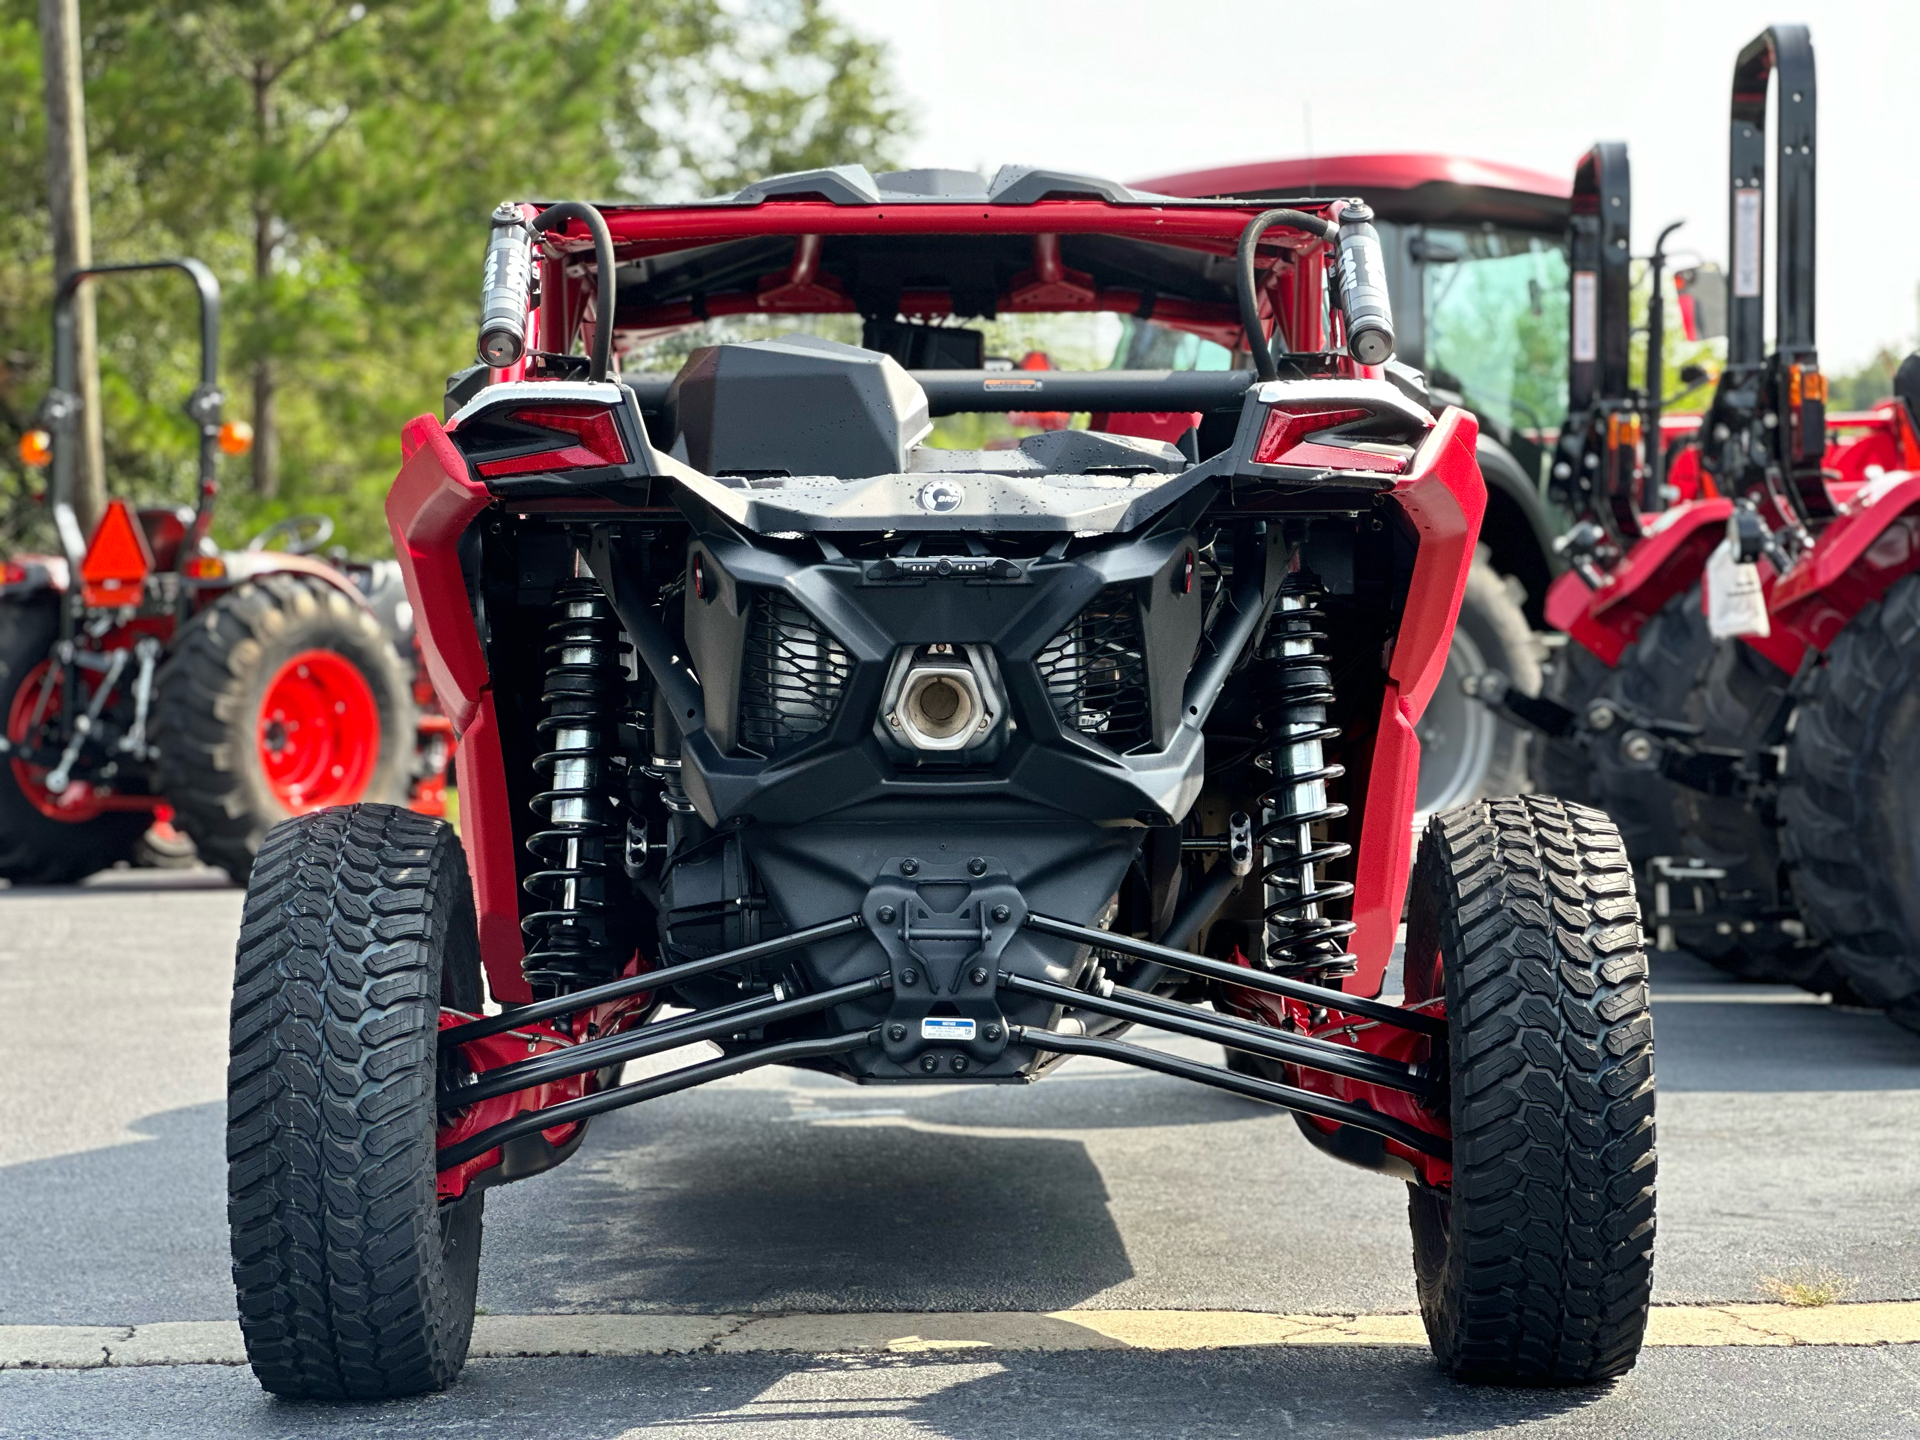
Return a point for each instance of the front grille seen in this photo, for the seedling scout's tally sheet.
(791, 675)
(1095, 672)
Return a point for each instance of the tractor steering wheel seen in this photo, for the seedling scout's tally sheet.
(305, 534)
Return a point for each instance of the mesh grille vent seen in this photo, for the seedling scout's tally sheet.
(791, 675)
(1095, 672)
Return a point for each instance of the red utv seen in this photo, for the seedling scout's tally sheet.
(783, 730)
(146, 675)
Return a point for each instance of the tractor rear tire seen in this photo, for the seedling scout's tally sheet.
(216, 739)
(1573, 677)
(1654, 678)
(1535, 1267)
(1466, 751)
(35, 847)
(354, 1281)
(1735, 700)
(1851, 802)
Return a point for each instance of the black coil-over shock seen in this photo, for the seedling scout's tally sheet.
(568, 943)
(1296, 689)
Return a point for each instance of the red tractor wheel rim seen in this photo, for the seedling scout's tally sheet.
(79, 802)
(319, 732)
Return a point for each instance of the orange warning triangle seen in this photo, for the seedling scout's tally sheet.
(118, 560)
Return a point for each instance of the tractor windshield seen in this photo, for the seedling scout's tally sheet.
(1494, 304)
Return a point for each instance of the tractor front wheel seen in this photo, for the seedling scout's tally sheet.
(355, 1281)
(48, 839)
(281, 698)
(1535, 1266)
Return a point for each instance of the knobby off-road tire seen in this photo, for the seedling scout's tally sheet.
(1467, 752)
(354, 1282)
(207, 718)
(1851, 802)
(1535, 1269)
(35, 848)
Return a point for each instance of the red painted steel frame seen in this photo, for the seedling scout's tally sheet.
(1657, 568)
(1858, 556)
(1442, 499)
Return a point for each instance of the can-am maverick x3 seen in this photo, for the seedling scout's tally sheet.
(782, 730)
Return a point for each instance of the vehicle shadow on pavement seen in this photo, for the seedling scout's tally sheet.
(712, 1205)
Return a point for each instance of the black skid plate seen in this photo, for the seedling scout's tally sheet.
(944, 925)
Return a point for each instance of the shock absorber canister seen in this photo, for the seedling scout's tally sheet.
(569, 944)
(1296, 689)
(506, 289)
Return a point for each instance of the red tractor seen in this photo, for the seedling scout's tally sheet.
(784, 731)
(1740, 686)
(148, 676)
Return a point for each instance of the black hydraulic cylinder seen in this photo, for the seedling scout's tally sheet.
(578, 1000)
(587, 1106)
(1243, 976)
(1303, 1102)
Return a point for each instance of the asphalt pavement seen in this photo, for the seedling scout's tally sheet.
(1786, 1141)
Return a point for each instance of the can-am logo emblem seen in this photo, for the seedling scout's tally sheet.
(938, 497)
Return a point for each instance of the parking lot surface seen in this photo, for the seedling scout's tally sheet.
(1786, 1143)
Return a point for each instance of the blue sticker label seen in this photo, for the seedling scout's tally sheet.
(941, 1027)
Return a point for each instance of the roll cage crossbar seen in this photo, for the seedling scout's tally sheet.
(1116, 1003)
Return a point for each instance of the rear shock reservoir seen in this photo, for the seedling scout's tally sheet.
(506, 289)
(1363, 287)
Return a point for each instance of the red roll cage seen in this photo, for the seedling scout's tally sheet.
(1292, 289)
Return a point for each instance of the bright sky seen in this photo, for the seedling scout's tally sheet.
(1134, 88)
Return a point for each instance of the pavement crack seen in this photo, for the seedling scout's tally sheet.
(106, 1351)
(738, 1323)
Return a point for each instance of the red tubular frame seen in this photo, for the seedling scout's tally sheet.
(1214, 229)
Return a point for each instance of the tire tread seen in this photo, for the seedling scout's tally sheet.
(342, 1287)
(1542, 1272)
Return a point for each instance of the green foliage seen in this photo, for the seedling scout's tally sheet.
(335, 163)
(1865, 387)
